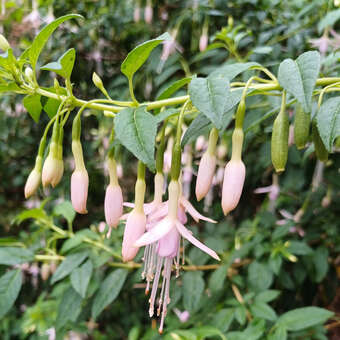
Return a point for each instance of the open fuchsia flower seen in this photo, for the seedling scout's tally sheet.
(165, 239)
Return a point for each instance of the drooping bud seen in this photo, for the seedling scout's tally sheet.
(234, 174)
(45, 271)
(50, 168)
(320, 150)
(279, 143)
(134, 229)
(29, 74)
(148, 13)
(79, 180)
(99, 84)
(207, 166)
(136, 14)
(301, 127)
(34, 178)
(203, 42)
(4, 45)
(113, 203)
(60, 162)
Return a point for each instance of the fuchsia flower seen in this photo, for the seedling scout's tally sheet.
(164, 239)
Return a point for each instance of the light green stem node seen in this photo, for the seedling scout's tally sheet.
(237, 143)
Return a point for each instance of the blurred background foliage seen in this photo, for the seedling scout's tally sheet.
(285, 240)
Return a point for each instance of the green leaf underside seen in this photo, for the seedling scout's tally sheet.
(64, 65)
(69, 307)
(140, 127)
(41, 39)
(230, 71)
(33, 105)
(108, 291)
(328, 122)
(193, 287)
(298, 77)
(173, 88)
(10, 285)
(301, 318)
(137, 57)
(80, 278)
(13, 255)
(165, 114)
(68, 265)
(209, 97)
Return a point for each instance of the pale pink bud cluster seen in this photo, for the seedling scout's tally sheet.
(205, 175)
(234, 175)
(79, 190)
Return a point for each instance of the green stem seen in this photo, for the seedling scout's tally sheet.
(132, 94)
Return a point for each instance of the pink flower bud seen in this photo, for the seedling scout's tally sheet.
(148, 13)
(113, 205)
(32, 183)
(200, 143)
(134, 229)
(234, 175)
(203, 42)
(79, 189)
(59, 173)
(50, 170)
(136, 14)
(205, 175)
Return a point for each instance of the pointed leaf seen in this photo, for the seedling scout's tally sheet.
(10, 285)
(64, 65)
(69, 307)
(301, 318)
(279, 334)
(230, 71)
(263, 311)
(328, 121)
(298, 77)
(108, 291)
(33, 105)
(68, 265)
(13, 255)
(51, 107)
(193, 287)
(81, 276)
(136, 129)
(209, 97)
(137, 57)
(41, 39)
(174, 87)
(198, 127)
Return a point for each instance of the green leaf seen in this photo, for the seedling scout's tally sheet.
(218, 277)
(241, 315)
(207, 331)
(165, 114)
(329, 20)
(136, 129)
(80, 278)
(230, 71)
(137, 57)
(298, 77)
(321, 263)
(199, 126)
(77, 239)
(108, 291)
(64, 65)
(66, 210)
(263, 311)
(223, 319)
(33, 105)
(328, 121)
(267, 295)
(10, 285)
(260, 276)
(41, 39)
(68, 265)
(13, 255)
(279, 334)
(36, 213)
(11, 87)
(69, 307)
(51, 107)
(174, 87)
(193, 287)
(209, 97)
(301, 318)
(299, 248)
